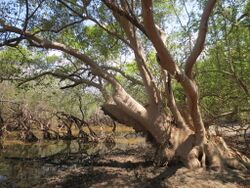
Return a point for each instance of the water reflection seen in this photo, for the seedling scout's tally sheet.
(27, 165)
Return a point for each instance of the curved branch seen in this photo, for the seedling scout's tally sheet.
(61, 28)
(125, 14)
(130, 78)
(95, 21)
(111, 32)
(63, 76)
(166, 60)
(200, 41)
(130, 31)
(171, 101)
(44, 43)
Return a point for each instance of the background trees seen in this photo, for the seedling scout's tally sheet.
(227, 62)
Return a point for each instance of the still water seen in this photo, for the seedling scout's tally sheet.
(29, 164)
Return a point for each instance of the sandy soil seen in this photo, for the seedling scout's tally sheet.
(134, 168)
(128, 167)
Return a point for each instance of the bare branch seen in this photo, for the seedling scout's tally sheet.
(44, 43)
(111, 32)
(26, 15)
(130, 31)
(12, 42)
(70, 8)
(171, 100)
(125, 14)
(95, 21)
(63, 76)
(61, 28)
(130, 78)
(199, 45)
(166, 60)
(38, 6)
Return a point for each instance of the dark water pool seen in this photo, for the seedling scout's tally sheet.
(30, 164)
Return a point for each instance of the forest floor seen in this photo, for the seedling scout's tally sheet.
(132, 169)
(119, 167)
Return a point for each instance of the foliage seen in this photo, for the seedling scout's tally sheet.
(223, 75)
(226, 56)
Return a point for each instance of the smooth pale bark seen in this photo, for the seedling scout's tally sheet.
(155, 125)
(171, 101)
(167, 63)
(150, 86)
(120, 116)
(200, 41)
(122, 99)
(191, 90)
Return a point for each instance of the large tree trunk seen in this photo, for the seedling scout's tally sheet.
(120, 116)
(178, 143)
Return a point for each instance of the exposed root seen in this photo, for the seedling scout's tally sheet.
(213, 159)
(192, 160)
(230, 157)
(214, 155)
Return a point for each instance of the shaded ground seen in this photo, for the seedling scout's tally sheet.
(132, 169)
(129, 169)
(128, 164)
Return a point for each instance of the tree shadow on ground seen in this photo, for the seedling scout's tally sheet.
(119, 174)
(234, 176)
(108, 173)
(161, 179)
(86, 179)
(126, 165)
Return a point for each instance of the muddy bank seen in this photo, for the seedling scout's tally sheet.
(134, 168)
(131, 168)
(127, 164)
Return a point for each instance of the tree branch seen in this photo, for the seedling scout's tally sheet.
(130, 31)
(110, 32)
(165, 58)
(61, 28)
(171, 101)
(63, 76)
(200, 41)
(44, 43)
(95, 21)
(125, 14)
(130, 78)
